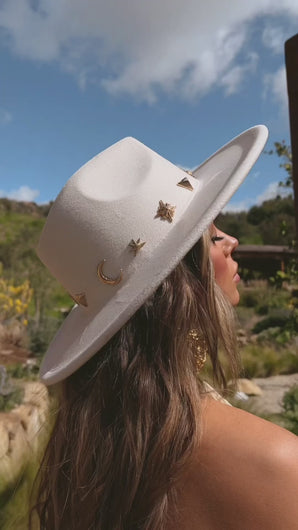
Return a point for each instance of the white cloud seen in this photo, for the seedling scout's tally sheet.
(5, 116)
(272, 191)
(183, 47)
(275, 86)
(23, 193)
(240, 206)
(232, 80)
(274, 38)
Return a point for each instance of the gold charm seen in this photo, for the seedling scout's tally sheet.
(184, 183)
(166, 211)
(80, 299)
(198, 347)
(106, 279)
(136, 246)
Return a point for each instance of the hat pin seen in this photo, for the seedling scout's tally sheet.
(107, 279)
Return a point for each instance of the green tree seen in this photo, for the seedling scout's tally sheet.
(274, 220)
(283, 151)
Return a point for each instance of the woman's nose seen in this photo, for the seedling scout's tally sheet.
(230, 244)
(234, 242)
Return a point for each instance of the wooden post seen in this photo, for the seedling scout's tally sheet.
(291, 56)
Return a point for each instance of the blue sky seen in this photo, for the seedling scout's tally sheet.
(183, 77)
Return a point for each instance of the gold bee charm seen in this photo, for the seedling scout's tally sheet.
(166, 211)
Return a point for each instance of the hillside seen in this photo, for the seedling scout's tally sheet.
(271, 223)
(26, 208)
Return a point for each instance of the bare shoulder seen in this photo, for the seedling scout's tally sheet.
(248, 467)
(247, 434)
(218, 415)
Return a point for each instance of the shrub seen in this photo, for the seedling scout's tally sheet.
(272, 321)
(14, 300)
(288, 363)
(23, 371)
(259, 361)
(41, 335)
(249, 298)
(264, 299)
(290, 406)
(9, 402)
(263, 361)
(262, 309)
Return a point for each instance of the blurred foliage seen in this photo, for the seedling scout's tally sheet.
(263, 298)
(272, 321)
(290, 277)
(290, 406)
(237, 223)
(20, 228)
(270, 223)
(261, 360)
(23, 371)
(11, 400)
(10, 394)
(14, 300)
(283, 151)
(266, 315)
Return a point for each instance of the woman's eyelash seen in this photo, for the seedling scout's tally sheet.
(216, 238)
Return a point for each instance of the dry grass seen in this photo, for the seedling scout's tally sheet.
(23, 435)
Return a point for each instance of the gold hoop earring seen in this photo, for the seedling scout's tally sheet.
(198, 347)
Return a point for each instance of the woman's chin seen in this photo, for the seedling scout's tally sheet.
(235, 298)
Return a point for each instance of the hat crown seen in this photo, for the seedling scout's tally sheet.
(108, 202)
(115, 173)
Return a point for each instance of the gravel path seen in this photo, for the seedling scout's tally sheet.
(273, 388)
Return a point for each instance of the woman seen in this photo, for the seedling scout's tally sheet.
(139, 440)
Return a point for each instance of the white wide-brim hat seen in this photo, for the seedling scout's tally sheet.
(120, 225)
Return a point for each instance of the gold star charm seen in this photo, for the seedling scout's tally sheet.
(166, 211)
(135, 246)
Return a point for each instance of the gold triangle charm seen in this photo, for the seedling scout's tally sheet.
(184, 183)
(80, 299)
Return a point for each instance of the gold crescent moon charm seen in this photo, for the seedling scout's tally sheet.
(106, 279)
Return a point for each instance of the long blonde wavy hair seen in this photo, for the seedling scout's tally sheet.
(129, 419)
